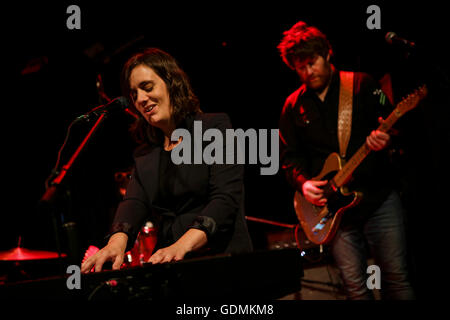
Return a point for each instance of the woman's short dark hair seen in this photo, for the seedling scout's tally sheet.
(301, 42)
(182, 98)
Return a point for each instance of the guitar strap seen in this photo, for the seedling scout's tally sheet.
(345, 111)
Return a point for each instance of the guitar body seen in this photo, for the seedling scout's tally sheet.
(320, 223)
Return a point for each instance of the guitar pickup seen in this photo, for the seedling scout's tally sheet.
(320, 225)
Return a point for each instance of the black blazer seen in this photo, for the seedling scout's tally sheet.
(211, 196)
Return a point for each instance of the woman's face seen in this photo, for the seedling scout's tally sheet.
(150, 96)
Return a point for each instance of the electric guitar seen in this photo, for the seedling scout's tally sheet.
(321, 222)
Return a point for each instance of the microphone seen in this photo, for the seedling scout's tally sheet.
(120, 103)
(392, 38)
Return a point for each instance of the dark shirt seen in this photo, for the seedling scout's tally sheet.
(308, 134)
(165, 197)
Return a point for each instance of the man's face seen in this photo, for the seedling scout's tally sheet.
(315, 71)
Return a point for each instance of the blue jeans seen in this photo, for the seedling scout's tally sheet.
(384, 233)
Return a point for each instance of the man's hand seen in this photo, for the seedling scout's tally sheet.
(378, 140)
(313, 192)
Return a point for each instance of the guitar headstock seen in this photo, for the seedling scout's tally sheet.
(412, 100)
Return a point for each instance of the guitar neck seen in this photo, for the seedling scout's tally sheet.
(350, 166)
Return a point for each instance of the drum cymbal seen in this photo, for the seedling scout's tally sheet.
(22, 254)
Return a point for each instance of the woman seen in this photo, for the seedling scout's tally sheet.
(198, 209)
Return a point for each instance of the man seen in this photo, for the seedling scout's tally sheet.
(309, 133)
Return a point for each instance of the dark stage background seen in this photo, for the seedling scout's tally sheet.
(229, 51)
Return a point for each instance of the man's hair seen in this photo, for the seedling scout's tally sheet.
(182, 98)
(301, 42)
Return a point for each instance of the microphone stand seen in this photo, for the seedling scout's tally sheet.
(50, 194)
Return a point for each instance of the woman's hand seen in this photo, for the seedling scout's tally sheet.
(114, 251)
(193, 239)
